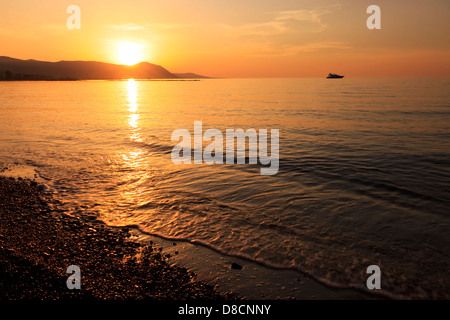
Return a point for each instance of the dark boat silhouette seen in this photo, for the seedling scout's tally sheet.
(334, 76)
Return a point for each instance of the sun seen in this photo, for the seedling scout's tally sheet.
(129, 53)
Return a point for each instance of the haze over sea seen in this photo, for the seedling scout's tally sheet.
(363, 179)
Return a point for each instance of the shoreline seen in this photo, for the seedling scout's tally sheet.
(251, 279)
(38, 243)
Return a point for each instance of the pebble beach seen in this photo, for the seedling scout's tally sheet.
(38, 243)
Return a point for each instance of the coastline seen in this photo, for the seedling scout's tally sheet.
(38, 243)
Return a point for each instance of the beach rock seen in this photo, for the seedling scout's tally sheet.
(236, 266)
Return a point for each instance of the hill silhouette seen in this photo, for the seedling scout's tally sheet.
(190, 76)
(16, 69)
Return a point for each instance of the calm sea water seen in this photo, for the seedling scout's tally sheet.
(364, 173)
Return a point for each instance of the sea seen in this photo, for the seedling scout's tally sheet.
(363, 177)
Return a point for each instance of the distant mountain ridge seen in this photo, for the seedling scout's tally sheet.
(16, 69)
(190, 75)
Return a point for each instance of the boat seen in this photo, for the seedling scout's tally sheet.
(334, 76)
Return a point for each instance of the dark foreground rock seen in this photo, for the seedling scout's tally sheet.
(37, 244)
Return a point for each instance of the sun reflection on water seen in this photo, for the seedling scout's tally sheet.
(132, 95)
(131, 166)
(132, 98)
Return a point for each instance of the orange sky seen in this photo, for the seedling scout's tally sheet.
(236, 38)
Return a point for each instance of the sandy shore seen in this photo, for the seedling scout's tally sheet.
(37, 244)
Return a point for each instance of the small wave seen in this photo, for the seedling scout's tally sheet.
(266, 263)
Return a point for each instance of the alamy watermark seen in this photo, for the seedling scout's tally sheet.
(374, 280)
(235, 147)
(74, 280)
(374, 21)
(74, 20)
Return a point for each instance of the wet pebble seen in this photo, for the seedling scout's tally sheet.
(236, 266)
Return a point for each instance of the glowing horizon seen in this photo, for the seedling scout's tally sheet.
(254, 38)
